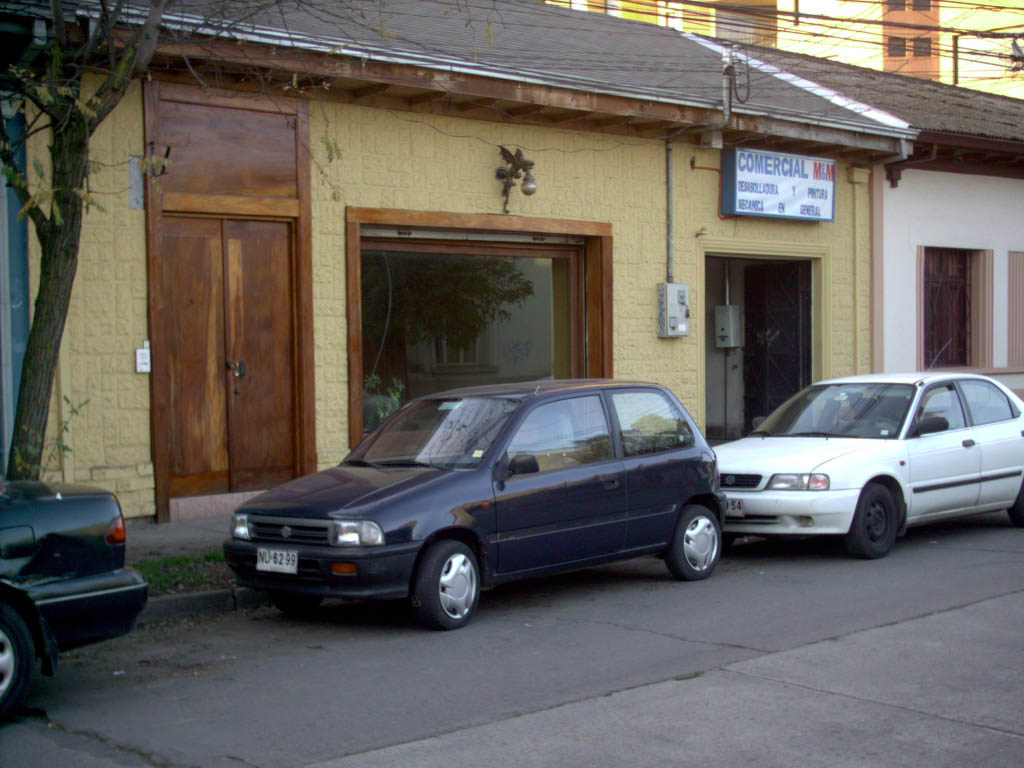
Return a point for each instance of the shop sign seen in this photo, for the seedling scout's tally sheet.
(778, 185)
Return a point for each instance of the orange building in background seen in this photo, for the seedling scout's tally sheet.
(973, 45)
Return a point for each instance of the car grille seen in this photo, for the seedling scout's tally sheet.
(728, 480)
(291, 531)
(755, 519)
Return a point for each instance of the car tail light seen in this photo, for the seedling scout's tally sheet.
(116, 531)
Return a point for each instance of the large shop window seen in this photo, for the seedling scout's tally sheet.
(439, 314)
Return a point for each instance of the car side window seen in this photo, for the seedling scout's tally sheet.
(650, 423)
(945, 402)
(565, 433)
(985, 402)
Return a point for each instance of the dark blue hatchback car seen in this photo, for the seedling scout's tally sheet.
(465, 489)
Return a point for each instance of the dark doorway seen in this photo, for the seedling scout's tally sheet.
(777, 330)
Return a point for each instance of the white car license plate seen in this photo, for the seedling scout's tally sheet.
(278, 560)
(734, 507)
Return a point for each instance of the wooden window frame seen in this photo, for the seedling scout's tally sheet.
(595, 287)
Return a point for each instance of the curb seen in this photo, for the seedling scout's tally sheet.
(169, 607)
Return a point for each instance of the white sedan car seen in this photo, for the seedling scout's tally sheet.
(866, 456)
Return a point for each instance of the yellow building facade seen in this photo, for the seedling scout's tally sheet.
(364, 158)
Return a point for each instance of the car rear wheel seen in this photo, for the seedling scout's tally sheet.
(16, 658)
(296, 604)
(873, 530)
(1016, 512)
(696, 544)
(446, 588)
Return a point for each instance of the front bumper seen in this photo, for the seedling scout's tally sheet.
(381, 572)
(801, 513)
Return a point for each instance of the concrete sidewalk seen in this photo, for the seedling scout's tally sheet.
(148, 540)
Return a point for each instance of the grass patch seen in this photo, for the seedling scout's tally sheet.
(185, 573)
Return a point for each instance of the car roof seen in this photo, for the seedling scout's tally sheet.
(539, 387)
(911, 377)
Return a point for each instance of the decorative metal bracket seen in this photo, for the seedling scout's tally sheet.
(517, 167)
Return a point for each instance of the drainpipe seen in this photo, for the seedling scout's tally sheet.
(670, 240)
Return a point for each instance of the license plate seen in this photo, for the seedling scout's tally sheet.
(734, 507)
(277, 560)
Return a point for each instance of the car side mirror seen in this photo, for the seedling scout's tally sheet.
(523, 464)
(929, 425)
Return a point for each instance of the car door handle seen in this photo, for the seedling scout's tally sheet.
(968, 443)
(610, 481)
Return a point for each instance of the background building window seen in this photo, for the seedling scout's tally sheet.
(897, 47)
(896, 5)
(922, 47)
(922, 5)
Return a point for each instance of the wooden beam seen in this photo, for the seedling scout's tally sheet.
(566, 117)
(466, 106)
(231, 205)
(534, 96)
(425, 98)
(369, 90)
(524, 111)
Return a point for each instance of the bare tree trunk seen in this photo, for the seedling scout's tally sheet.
(69, 154)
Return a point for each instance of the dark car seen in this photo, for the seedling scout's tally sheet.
(63, 583)
(469, 488)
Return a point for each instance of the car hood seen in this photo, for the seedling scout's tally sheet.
(768, 455)
(331, 490)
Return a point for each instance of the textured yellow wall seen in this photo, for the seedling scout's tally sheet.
(380, 159)
(109, 437)
(384, 159)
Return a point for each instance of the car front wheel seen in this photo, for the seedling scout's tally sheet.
(873, 530)
(696, 544)
(446, 588)
(16, 658)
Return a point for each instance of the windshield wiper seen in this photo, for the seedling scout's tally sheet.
(359, 463)
(763, 432)
(405, 463)
(812, 434)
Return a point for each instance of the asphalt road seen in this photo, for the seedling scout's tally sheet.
(791, 654)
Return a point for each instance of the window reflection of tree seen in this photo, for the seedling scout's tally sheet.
(409, 298)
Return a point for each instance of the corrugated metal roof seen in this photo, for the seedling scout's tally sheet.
(925, 104)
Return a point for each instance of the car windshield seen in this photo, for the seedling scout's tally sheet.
(446, 433)
(864, 409)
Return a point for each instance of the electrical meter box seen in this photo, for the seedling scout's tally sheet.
(673, 310)
(728, 326)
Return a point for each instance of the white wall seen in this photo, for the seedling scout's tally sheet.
(948, 210)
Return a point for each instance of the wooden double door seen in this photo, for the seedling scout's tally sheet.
(225, 353)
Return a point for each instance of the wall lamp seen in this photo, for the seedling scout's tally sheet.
(517, 166)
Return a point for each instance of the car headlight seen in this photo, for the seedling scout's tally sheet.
(795, 482)
(359, 533)
(240, 526)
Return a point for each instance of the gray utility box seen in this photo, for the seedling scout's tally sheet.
(673, 310)
(728, 326)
